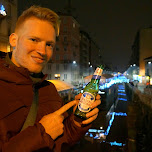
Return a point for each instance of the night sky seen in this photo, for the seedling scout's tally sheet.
(113, 24)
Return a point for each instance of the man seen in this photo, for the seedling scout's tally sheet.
(32, 115)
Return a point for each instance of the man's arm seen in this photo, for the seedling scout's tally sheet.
(30, 139)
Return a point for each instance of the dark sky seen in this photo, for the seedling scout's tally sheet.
(113, 24)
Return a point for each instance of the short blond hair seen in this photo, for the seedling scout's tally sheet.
(41, 13)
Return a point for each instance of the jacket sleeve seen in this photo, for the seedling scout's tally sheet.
(72, 134)
(33, 138)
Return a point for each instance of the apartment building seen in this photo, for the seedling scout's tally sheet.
(65, 63)
(8, 17)
(142, 49)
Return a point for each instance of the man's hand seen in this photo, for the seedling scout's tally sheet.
(92, 115)
(53, 123)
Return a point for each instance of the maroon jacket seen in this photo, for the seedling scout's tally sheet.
(16, 95)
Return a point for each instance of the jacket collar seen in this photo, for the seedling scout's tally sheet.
(16, 74)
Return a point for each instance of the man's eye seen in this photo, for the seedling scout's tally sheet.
(50, 45)
(34, 40)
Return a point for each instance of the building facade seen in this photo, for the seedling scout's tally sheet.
(141, 49)
(85, 62)
(65, 62)
(7, 22)
(148, 66)
(76, 55)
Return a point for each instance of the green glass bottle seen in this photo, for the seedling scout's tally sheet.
(89, 94)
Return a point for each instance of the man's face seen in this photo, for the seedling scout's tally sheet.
(33, 43)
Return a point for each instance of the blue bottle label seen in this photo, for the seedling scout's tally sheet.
(85, 101)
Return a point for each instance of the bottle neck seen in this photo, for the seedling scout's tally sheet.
(96, 81)
(97, 75)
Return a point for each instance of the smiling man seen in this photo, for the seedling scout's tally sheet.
(32, 114)
(33, 43)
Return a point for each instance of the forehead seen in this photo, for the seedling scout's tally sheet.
(34, 25)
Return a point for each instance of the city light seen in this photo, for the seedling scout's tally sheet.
(149, 62)
(110, 123)
(122, 94)
(121, 90)
(116, 144)
(119, 114)
(2, 10)
(74, 62)
(122, 99)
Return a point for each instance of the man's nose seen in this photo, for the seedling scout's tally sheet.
(41, 49)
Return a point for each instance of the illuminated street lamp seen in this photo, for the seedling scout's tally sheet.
(74, 62)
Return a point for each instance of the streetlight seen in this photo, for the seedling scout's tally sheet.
(74, 62)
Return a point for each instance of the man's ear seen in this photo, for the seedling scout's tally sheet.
(13, 39)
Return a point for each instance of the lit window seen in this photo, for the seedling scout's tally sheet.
(57, 76)
(73, 25)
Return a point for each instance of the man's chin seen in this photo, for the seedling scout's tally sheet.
(34, 70)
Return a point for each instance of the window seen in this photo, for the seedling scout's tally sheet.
(57, 57)
(65, 39)
(65, 48)
(65, 76)
(57, 48)
(57, 67)
(57, 38)
(73, 25)
(49, 66)
(64, 21)
(147, 72)
(9, 10)
(49, 76)
(65, 30)
(65, 57)
(65, 66)
(9, 31)
(74, 54)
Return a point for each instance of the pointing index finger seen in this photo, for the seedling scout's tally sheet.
(65, 107)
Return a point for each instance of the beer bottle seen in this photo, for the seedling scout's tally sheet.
(89, 94)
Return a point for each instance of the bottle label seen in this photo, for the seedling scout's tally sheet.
(97, 73)
(85, 101)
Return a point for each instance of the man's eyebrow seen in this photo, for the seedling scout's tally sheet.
(51, 41)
